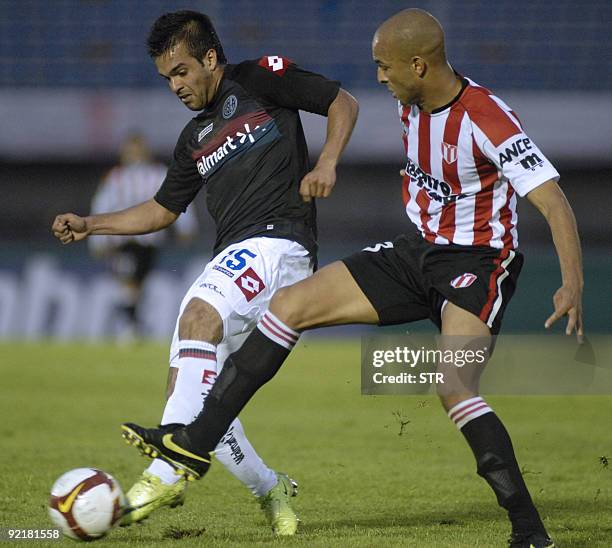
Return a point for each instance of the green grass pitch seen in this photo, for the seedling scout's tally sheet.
(373, 471)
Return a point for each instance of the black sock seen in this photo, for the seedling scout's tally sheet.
(243, 373)
(497, 464)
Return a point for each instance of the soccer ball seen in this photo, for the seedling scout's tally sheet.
(86, 503)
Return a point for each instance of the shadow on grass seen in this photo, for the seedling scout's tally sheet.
(563, 521)
(481, 512)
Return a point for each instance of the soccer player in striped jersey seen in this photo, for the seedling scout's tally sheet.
(468, 158)
(131, 258)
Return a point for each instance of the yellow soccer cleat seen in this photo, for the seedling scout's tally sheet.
(150, 493)
(277, 509)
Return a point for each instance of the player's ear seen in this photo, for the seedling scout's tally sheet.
(418, 66)
(210, 60)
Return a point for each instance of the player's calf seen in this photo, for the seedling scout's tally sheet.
(496, 463)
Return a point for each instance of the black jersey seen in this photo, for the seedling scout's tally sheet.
(248, 148)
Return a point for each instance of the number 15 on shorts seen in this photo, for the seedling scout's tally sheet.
(237, 259)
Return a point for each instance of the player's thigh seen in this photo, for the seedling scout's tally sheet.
(239, 282)
(331, 296)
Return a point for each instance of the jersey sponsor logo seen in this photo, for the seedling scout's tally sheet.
(274, 63)
(449, 153)
(230, 106)
(532, 162)
(439, 191)
(209, 376)
(250, 284)
(465, 280)
(376, 248)
(518, 148)
(223, 270)
(206, 163)
(246, 135)
(205, 131)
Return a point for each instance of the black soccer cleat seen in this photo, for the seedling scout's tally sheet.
(533, 540)
(173, 447)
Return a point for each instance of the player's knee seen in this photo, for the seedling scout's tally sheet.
(289, 307)
(200, 322)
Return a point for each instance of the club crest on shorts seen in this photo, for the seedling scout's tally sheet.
(230, 106)
(250, 284)
(449, 153)
(465, 280)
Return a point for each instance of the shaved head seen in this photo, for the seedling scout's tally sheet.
(413, 32)
(409, 51)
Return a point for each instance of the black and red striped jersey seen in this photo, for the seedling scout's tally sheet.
(248, 149)
(466, 163)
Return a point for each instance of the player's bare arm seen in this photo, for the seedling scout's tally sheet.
(550, 200)
(144, 218)
(341, 119)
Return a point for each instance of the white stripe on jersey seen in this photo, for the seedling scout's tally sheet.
(464, 208)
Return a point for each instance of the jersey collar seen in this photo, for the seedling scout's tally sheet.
(464, 84)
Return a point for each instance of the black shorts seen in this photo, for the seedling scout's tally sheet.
(410, 279)
(132, 262)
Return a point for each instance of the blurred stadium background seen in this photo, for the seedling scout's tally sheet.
(75, 79)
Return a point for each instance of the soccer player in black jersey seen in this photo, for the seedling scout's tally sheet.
(247, 147)
(455, 132)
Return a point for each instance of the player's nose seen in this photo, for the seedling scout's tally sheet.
(380, 76)
(175, 85)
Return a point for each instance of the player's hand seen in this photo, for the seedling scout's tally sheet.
(68, 228)
(318, 183)
(568, 302)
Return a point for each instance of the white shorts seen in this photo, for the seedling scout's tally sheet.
(240, 282)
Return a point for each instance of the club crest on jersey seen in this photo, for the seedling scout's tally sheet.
(230, 106)
(250, 284)
(205, 131)
(449, 153)
(465, 280)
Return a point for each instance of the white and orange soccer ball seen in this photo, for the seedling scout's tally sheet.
(86, 503)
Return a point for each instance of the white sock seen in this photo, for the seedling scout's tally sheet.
(237, 454)
(197, 371)
(163, 471)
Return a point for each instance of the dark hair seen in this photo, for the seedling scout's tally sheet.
(192, 28)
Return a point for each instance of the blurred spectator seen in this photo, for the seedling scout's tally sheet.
(134, 180)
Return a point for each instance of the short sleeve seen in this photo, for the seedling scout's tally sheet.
(522, 163)
(281, 82)
(182, 181)
(499, 135)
